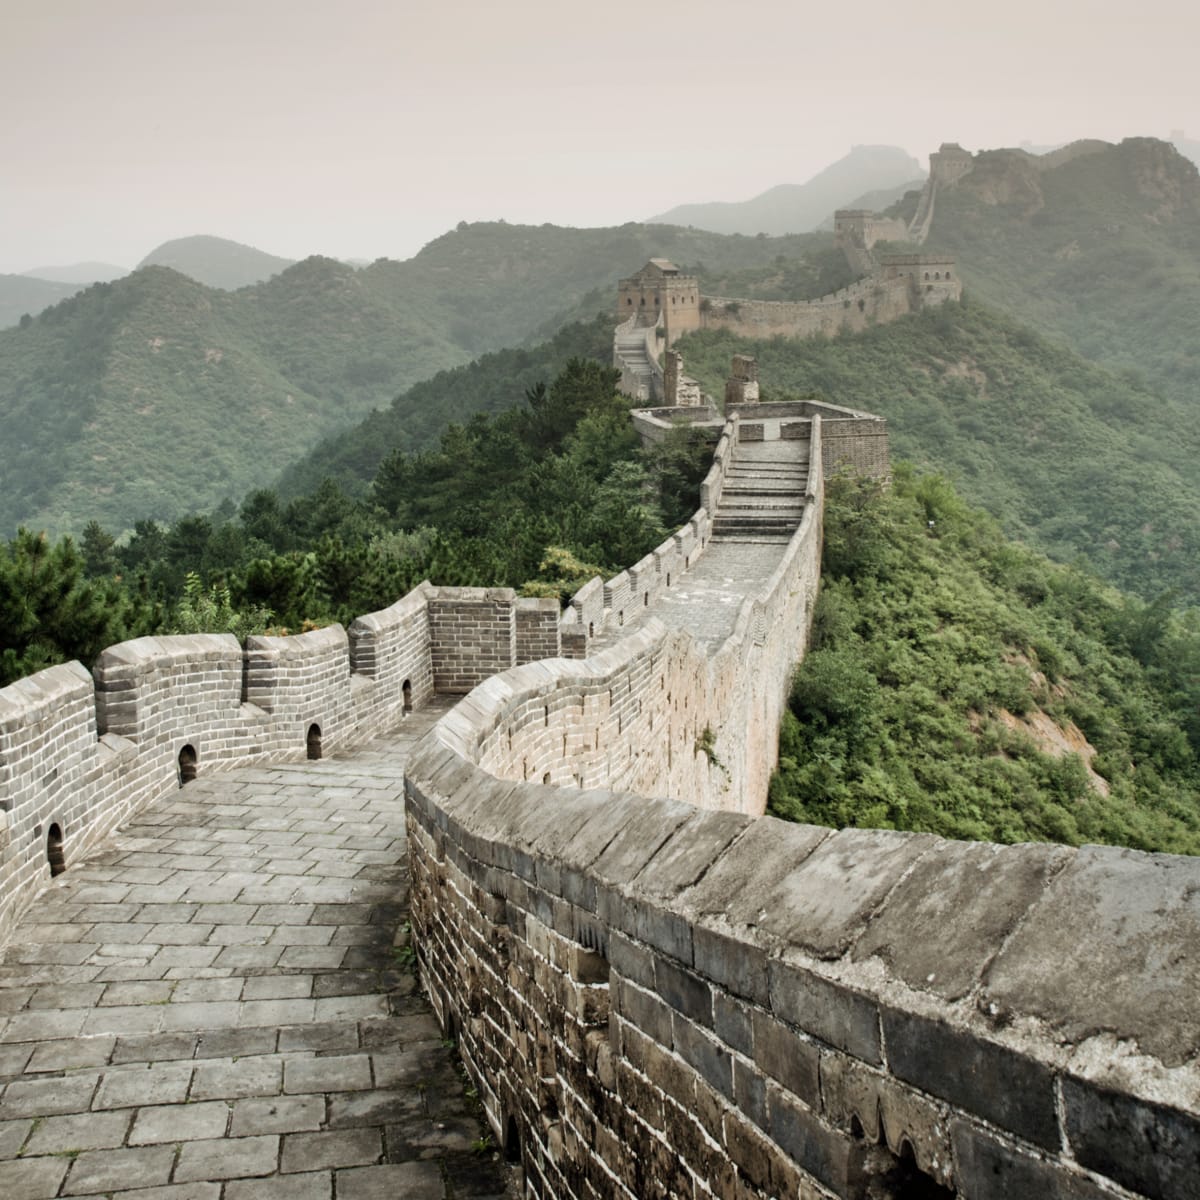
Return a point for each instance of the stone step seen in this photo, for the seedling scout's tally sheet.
(737, 525)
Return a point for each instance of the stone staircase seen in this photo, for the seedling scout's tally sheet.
(764, 494)
(631, 350)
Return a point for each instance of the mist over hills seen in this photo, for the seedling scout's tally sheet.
(216, 262)
(22, 295)
(81, 273)
(156, 395)
(799, 207)
(1097, 243)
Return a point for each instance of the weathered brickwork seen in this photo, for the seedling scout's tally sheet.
(657, 1001)
(473, 635)
(538, 634)
(657, 991)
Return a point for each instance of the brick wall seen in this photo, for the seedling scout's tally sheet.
(472, 635)
(656, 1001)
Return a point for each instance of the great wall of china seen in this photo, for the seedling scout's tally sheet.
(659, 304)
(656, 990)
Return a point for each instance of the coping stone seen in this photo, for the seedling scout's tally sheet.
(942, 925)
(1113, 944)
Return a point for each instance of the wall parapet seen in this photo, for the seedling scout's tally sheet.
(648, 993)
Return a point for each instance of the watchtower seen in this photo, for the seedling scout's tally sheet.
(660, 288)
(949, 163)
(932, 278)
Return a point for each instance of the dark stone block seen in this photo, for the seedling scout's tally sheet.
(645, 1011)
(787, 1058)
(829, 1011)
(1148, 1148)
(735, 964)
(989, 1170)
(821, 1151)
(710, 1059)
(750, 1093)
(733, 1024)
(1004, 1087)
(684, 992)
(665, 931)
(631, 960)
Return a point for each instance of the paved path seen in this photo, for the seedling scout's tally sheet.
(707, 598)
(214, 1009)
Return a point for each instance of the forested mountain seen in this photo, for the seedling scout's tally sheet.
(1068, 455)
(416, 418)
(799, 207)
(21, 295)
(957, 682)
(1100, 247)
(216, 262)
(154, 395)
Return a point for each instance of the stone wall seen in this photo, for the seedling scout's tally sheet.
(84, 751)
(867, 302)
(83, 754)
(473, 635)
(657, 1001)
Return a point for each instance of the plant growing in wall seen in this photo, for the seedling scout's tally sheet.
(706, 744)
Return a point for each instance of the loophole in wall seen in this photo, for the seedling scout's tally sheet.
(892, 1177)
(187, 765)
(406, 691)
(55, 855)
(313, 741)
(512, 1141)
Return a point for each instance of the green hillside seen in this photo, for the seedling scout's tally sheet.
(155, 395)
(960, 684)
(416, 417)
(956, 682)
(1102, 248)
(1069, 456)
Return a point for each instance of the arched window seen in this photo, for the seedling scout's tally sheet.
(187, 765)
(313, 742)
(55, 855)
(406, 692)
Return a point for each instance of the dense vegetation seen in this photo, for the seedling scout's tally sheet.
(415, 419)
(936, 647)
(154, 395)
(1076, 459)
(542, 496)
(1102, 249)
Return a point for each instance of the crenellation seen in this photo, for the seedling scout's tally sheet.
(656, 989)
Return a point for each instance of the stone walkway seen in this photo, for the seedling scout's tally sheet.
(216, 1007)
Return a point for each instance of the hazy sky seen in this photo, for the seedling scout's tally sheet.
(365, 127)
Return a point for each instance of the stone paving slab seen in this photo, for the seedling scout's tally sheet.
(211, 1008)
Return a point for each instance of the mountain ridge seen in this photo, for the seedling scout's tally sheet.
(800, 208)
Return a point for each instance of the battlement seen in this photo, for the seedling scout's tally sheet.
(656, 990)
